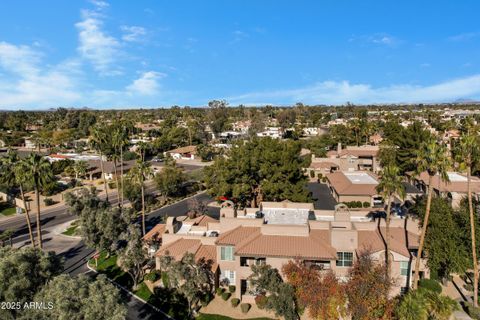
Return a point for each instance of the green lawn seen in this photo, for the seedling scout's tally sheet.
(71, 230)
(108, 266)
(7, 210)
(206, 316)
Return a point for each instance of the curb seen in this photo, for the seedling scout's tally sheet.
(130, 293)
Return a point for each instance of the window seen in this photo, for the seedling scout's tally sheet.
(404, 268)
(226, 253)
(229, 275)
(345, 259)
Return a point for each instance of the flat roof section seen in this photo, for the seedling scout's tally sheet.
(360, 178)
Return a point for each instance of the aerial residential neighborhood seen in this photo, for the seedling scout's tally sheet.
(227, 160)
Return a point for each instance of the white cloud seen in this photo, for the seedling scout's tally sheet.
(334, 92)
(133, 33)
(95, 45)
(18, 59)
(147, 84)
(464, 36)
(33, 85)
(377, 38)
(100, 4)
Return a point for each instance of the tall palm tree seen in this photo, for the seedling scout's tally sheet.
(390, 184)
(97, 142)
(139, 174)
(39, 172)
(13, 173)
(21, 175)
(432, 157)
(119, 141)
(468, 155)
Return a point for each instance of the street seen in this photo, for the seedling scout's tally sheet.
(76, 253)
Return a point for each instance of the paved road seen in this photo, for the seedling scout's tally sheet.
(321, 196)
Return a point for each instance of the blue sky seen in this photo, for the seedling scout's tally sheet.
(161, 53)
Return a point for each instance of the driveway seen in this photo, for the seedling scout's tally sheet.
(323, 199)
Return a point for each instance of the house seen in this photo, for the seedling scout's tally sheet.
(278, 232)
(352, 158)
(30, 144)
(153, 238)
(348, 186)
(184, 153)
(94, 170)
(454, 190)
(272, 132)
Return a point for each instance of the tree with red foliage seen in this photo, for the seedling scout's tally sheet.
(317, 291)
(367, 290)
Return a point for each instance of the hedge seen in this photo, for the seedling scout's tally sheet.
(235, 302)
(245, 307)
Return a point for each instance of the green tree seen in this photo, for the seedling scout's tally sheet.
(468, 155)
(80, 168)
(390, 184)
(134, 256)
(14, 172)
(191, 278)
(433, 158)
(423, 304)
(101, 226)
(443, 241)
(139, 174)
(23, 272)
(281, 295)
(78, 298)
(262, 169)
(39, 172)
(218, 116)
(170, 180)
(98, 142)
(409, 141)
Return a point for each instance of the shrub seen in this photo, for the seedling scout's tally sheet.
(231, 289)
(226, 295)
(235, 302)
(324, 179)
(320, 175)
(219, 291)
(472, 311)
(206, 299)
(366, 204)
(431, 285)
(165, 280)
(245, 307)
(48, 202)
(358, 204)
(312, 174)
(112, 185)
(261, 301)
(152, 276)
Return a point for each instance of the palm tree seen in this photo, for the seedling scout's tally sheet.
(13, 172)
(21, 175)
(39, 172)
(468, 155)
(119, 141)
(433, 158)
(97, 142)
(390, 184)
(139, 174)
